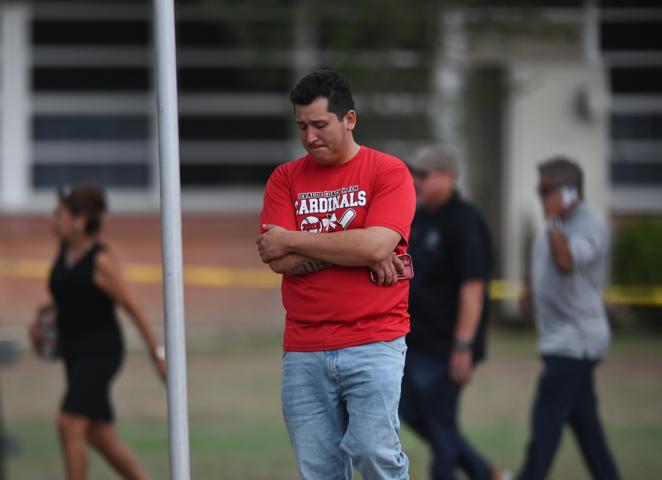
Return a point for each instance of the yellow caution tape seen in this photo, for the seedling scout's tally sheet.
(230, 277)
(614, 294)
(504, 290)
(24, 268)
(631, 295)
(204, 276)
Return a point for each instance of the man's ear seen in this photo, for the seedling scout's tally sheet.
(350, 120)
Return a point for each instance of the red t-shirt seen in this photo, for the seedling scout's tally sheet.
(341, 307)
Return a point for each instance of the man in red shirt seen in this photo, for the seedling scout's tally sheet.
(328, 220)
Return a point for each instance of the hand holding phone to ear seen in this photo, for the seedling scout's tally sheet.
(555, 208)
(560, 201)
(568, 196)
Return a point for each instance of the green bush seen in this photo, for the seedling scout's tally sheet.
(637, 253)
(637, 261)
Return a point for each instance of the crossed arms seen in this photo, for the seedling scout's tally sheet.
(297, 253)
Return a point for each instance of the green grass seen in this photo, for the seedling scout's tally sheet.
(237, 430)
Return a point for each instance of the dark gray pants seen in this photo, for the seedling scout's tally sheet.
(566, 394)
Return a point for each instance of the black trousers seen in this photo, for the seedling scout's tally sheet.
(566, 394)
(429, 405)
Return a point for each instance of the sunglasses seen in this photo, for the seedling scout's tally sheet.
(418, 172)
(546, 191)
(422, 174)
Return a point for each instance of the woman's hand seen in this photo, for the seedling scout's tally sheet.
(45, 315)
(158, 357)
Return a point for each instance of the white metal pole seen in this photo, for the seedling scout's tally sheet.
(15, 63)
(171, 233)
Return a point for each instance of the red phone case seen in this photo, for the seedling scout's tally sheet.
(405, 258)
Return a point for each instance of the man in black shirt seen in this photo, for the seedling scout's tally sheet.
(448, 304)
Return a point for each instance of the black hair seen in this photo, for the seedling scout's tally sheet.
(85, 199)
(328, 84)
(564, 171)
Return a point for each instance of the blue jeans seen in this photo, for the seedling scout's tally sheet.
(566, 394)
(429, 405)
(341, 411)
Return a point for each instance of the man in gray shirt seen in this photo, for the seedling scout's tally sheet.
(569, 260)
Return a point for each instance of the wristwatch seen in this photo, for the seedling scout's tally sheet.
(554, 224)
(462, 344)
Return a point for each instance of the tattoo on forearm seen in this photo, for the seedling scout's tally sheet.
(309, 265)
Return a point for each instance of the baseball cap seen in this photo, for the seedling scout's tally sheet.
(433, 157)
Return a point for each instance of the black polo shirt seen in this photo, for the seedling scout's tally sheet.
(449, 246)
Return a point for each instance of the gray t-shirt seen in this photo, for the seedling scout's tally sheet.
(570, 314)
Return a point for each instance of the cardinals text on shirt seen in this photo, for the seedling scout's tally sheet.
(330, 201)
(319, 208)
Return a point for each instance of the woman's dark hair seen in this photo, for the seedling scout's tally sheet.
(328, 84)
(85, 199)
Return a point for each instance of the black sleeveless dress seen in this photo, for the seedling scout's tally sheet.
(89, 336)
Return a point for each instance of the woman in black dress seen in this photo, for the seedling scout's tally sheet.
(86, 284)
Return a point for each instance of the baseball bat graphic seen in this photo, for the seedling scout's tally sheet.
(347, 217)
